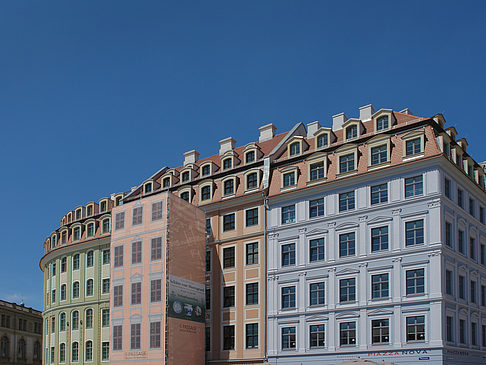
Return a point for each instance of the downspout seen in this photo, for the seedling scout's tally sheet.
(265, 185)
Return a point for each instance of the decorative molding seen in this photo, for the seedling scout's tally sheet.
(363, 218)
(397, 259)
(434, 204)
(302, 230)
(396, 211)
(331, 225)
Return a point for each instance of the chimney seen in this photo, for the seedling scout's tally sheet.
(406, 111)
(338, 120)
(365, 112)
(226, 145)
(190, 157)
(266, 132)
(312, 128)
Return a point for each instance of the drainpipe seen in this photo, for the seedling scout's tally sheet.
(265, 209)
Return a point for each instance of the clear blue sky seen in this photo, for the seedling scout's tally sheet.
(97, 95)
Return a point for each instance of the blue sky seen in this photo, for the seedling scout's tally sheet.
(96, 96)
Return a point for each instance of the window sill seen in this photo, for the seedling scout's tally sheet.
(379, 165)
(290, 187)
(413, 157)
(347, 173)
(316, 181)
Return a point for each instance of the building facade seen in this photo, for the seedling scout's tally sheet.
(370, 251)
(76, 268)
(20, 334)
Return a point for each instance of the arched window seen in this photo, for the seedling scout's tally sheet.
(206, 192)
(89, 318)
(74, 352)
(62, 322)
(63, 264)
(89, 287)
(185, 196)
(76, 289)
(21, 349)
(352, 132)
(89, 351)
(90, 230)
(76, 262)
(89, 259)
(62, 352)
(37, 351)
(4, 347)
(295, 149)
(106, 225)
(251, 181)
(75, 320)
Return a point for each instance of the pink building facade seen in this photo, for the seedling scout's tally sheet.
(157, 271)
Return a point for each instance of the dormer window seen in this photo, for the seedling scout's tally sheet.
(118, 200)
(250, 156)
(322, 140)
(78, 214)
(185, 176)
(148, 188)
(352, 132)
(69, 217)
(413, 147)
(346, 163)
(106, 225)
(413, 143)
(63, 237)
(227, 163)
(288, 179)
(90, 230)
(89, 210)
(205, 193)
(185, 196)
(103, 206)
(294, 149)
(76, 233)
(252, 181)
(206, 170)
(53, 240)
(382, 123)
(229, 187)
(166, 182)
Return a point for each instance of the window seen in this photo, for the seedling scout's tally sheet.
(229, 296)
(106, 257)
(229, 187)
(380, 331)
(415, 281)
(89, 287)
(460, 198)
(53, 295)
(89, 318)
(76, 290)
(316, 336)
(117, 338)
(471, 207)
(379, 239)
(228, 337)
(105, 317)
(449, 329)
(481, 215)
(288, 297)
(347, 334)
(317, 295)
(352, 132)
(208, 226)
(252, 181)
(166, 182)
(63, 264)
(346, 201)
(347, 290)
(137, 214)
(316, 249)
(185, 176)
(118, 295)
(413, 186)
(53, 351)
(482, 254)
(379, 194)
(90, 230)
(208, 298)
(474, 334)
(380, 286)
(89, 259)
(208, 261)
(135, 336)
(205, 193)
(4, 347)
(53, 324)
(252, 335)
(289, 179)
(118, 261)
(322, 140)
(447, 188)
(416, 329)
(288, 338)
(155, 290)
(118, 201)
(252, 253)
(251, 217)
(379, 154)
(473, 292)
(75, 352)
(414, 232)
(462, 331)
(288, 214)
(228, 257)
(185, 196)
(62, 353)
(227, 163)
(294, 149)
(156, 211)
(76, 233)
(346, 163)
(448, 235)
(472, 248)
(462, 287)
(228, 222)
(105, 351)
(106, 226)
(207, 339)
(155, 335)
(316, 208)
(288, 254)
(460, 241)
(75, 320)
(136, 252)
(136, 293)
(413, 146)
(382, 123)
(78, 214)
(156, 248)
(206, 170)
(64, 237)
(251, 293)
(317, 170)
(250, 156)
(448, 279)
(347, 245)
(63, 292)
(62, 322)
(119, 220)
